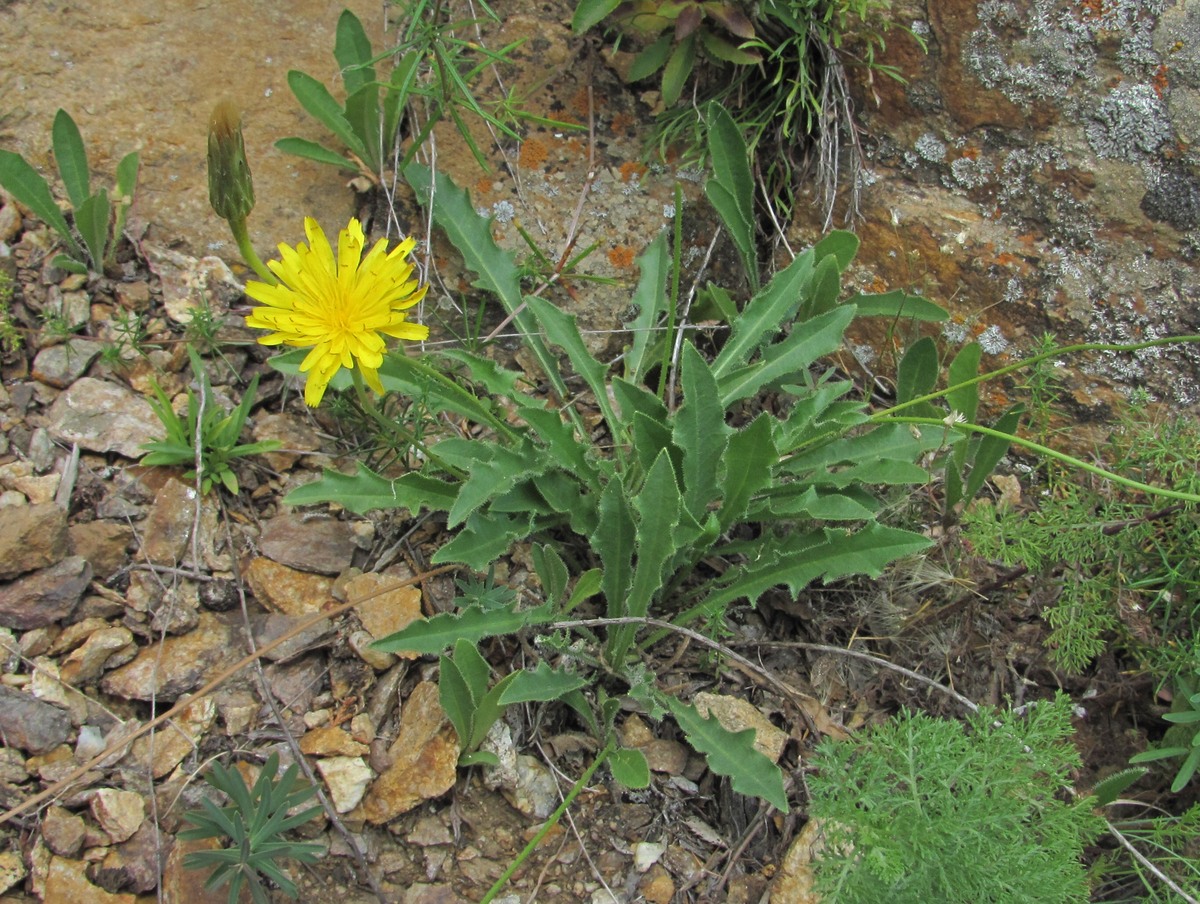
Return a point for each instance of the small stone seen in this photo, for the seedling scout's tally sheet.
(322, 545)
(186, 886)
(12, 870)
(10, 227)
(385, 608)
(166, 538)
(170, 748)
(424, 759)
(177, 665)
(134, 296)
(119, 813)
(63, 831)
(31, 537)
(329, 741)
(61, 365)
(31, 725)
(67, 883)
(39, 490)
(360, 642)
(133, 865)
(103, 417)
(646, 854)
(535, 793)
(347, 778)
(795, 882)
(736, 714)
(272, 626)
(294, 435)
(430, 830)
(103, 543)
(285, 589)
(105, 649)
(656, 886)
(45, 597)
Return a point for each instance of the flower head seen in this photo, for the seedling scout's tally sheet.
(340, 307)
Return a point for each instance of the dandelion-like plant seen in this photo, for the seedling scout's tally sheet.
(339, 307)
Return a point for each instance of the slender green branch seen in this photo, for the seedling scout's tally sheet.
(1069, 460)
(548, 825)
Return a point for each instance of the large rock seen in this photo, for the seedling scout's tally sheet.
(179, 667)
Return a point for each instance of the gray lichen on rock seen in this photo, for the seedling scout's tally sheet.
(1130, 124)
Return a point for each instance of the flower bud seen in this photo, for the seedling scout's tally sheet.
(230, 188)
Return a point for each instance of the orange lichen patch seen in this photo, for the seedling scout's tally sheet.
(631, 170)
(1159, 82)
(533, 153)
(622, 123)
(621, 257)
(483, 186)
(1091, 9)
(877, 286)
(579, 104)
(575, 148)
(970, 152)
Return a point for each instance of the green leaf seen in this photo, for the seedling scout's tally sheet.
(436, 634)
(650, 60)
(839, 244)
(542, 685)
(991, 449)
(310, 150)
(316, 99)
(366, 492)
(825, 505)
(396, 94)
(748, 469)
(650, 297)
(799, 559)
(471, 234)
(899, 305)
(26, 184)
(483, 539)
(824, 290)
(551, 572)
(796, 352)
(613, 541)
(590, 12)
(731, 754)
(352, 50)
(629, 768)
(658, 507)
(560, 328)
(679, 67)
(588, 585)
(636, 399)
(964, 367)
(918, 371)
(71, 157)
(731, 190)
(362, 112)
(700, 432)
(454, 694)
(775, 304)
(1109, 789)
(493, 476)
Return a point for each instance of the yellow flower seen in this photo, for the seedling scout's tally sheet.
(338, 307)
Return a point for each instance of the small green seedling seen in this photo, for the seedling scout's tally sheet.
(218, 432)
(1182, 738)
(98, 218)
(252, 823)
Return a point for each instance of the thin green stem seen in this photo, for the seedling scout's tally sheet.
(549, 824)
(1025, 362)
(673, 302)
(242, 236)
(1068, 460)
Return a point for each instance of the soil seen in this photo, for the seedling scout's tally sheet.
(953, 618)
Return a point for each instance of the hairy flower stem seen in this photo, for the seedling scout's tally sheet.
(241, 235)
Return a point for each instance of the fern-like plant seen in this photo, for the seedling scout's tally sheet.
(253, 824)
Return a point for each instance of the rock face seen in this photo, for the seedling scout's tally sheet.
(1038, 173)
(128, 91)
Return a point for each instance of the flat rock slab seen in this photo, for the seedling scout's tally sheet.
(31, 537)
(179, 667)
(321, 545)
(44, 597)
(104, 417)
(29, 724)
